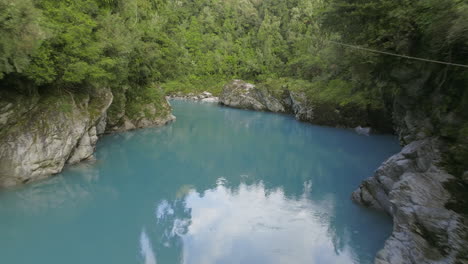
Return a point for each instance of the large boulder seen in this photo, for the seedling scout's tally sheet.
(240, 94)
(411, 187)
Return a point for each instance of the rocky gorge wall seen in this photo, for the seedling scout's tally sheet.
(425, 186)
(240, 94)
(411, 187)
(39, 135)
(414, 186)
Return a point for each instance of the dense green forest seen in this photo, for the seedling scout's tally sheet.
(112, 42)
(198, 45)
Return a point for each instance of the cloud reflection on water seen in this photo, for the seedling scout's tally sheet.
(146, 249)
(250, 224)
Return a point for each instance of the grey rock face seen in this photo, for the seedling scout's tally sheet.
(204, 97)
(40, 135)
(101, 124)
(85, 147)
(240, 94)
(410, 187)
(210, 100)
(302, 109)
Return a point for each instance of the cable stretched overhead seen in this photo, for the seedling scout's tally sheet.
(398, 55)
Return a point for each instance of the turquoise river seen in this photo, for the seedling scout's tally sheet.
(218, 185)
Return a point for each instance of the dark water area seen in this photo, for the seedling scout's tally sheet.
(219, 185)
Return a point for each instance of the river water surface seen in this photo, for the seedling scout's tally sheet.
(219, 185)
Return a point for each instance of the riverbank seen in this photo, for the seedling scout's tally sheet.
(41, 134)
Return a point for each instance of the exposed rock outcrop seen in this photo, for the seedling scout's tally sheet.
(240, 94)
(423, 187)
(204, 97)
(40, 134)
(303, 109)
(327, 114)
(410, 186)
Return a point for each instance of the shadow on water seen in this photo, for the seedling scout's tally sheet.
(217, 186)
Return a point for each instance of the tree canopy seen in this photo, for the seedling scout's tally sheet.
(185, 44)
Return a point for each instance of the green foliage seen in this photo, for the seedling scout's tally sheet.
(20, 35)
(433, 29)
(88, 43)
(139, 99)
(196, 85)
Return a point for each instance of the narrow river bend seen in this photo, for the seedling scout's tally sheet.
(219, 185)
